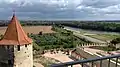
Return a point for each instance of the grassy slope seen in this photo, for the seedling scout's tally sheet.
(104, 37)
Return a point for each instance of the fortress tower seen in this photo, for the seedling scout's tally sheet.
(15, 46)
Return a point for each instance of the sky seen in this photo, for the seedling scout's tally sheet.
(61, 9)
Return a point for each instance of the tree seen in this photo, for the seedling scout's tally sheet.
(1, 36)
(115, 41)
(40, 33)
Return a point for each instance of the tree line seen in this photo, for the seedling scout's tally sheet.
(99, 26)
(91, 25)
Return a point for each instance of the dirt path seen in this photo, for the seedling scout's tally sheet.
(61, 57)
(38, 65)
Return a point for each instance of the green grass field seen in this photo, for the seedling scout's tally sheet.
(104, 48)
(104, 37)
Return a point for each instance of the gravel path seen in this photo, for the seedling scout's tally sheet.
(61, 57)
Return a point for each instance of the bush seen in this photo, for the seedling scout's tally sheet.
(40, 33)
(36, 47)
(115, 41)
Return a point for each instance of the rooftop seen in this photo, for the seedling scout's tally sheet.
(14, 34)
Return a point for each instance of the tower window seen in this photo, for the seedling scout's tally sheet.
(18, 47)
(8, 46)
(9, 62)
(25, 45)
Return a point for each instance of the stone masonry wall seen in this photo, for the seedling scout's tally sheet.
(6, 54)
(24, 57)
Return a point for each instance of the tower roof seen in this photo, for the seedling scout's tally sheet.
(14, 34)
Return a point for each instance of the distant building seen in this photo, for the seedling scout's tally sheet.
(15, 46)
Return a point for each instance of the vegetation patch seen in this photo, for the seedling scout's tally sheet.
(61, 39)
(104, 37)
(115, 41)
(99, 26)
(104, 48)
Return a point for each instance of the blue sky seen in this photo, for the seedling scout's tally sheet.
(61, 9)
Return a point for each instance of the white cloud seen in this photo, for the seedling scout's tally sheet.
(45, 9)
(114, 8)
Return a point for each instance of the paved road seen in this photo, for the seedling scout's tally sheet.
(77, 33)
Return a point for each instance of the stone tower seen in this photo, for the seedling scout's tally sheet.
(15, 46)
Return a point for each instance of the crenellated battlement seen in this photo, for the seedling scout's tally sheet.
(92, 44)
(23, 57)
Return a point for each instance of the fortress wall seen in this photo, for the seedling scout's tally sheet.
(24, 57)
(93, 44)
(6, 56)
